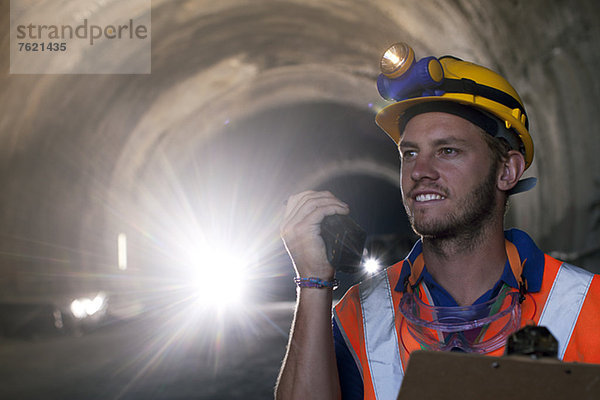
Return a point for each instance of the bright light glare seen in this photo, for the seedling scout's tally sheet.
(392, 57)
(85, 307)
(372, 265)
(78, 308)
(122, 251)
(220, 278)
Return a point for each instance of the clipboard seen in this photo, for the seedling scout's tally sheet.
(467, 376)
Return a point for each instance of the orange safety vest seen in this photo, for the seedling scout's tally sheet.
(568, 304)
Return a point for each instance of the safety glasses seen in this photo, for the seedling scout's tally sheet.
(480, 328)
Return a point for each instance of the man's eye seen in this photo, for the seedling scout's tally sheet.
(448, 151)
(408, 154)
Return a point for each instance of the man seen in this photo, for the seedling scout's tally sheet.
(464, 143)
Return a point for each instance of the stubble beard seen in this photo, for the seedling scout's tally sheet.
(467, 222)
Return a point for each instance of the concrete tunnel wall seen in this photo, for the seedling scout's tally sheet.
(223, 120)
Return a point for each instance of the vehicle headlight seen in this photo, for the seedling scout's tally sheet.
(86, 307)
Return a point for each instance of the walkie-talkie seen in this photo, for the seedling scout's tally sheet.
(344, 242)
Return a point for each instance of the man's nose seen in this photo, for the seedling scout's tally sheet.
(423, 167)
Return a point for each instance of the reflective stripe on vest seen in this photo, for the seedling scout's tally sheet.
(381, 341)
(564, 303)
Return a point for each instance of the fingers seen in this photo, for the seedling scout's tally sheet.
(301, 228)
(311, 207)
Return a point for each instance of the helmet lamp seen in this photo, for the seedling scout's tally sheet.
(401, 77)
(396, 60)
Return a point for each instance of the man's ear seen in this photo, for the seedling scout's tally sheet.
(511, 170)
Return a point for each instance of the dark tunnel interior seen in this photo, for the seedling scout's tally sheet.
(116, 186)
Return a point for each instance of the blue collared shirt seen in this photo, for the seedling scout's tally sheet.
(533, 270)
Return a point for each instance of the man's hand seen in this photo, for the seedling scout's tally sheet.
(301, 231)
(309, 369)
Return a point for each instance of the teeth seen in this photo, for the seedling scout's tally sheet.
(428, 197)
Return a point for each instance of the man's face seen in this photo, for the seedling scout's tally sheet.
(448, 180)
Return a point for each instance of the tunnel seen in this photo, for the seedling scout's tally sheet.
(247, 103)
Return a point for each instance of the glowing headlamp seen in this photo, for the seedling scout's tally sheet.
(396, 60)
(402, 77)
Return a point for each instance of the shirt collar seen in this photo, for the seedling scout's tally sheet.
(529, 253)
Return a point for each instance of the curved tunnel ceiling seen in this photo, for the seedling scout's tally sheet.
(249, 103)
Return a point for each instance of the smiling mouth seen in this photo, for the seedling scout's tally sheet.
(428, 197)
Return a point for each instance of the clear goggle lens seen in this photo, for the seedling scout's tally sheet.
(480, 328)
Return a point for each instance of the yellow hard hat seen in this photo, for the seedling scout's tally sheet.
(447, 79)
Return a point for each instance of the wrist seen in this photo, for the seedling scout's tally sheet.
(316, 283)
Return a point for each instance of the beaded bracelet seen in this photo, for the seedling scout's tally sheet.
(313, 282)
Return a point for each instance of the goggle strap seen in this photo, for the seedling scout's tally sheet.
(515, 261)
(415, 269)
